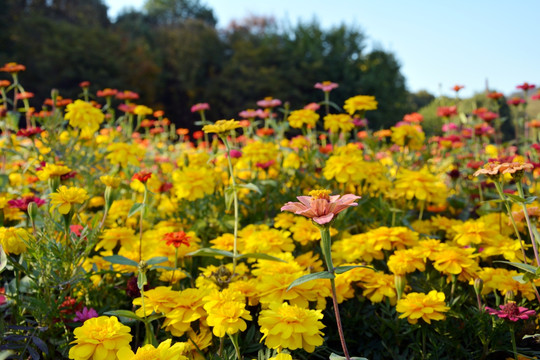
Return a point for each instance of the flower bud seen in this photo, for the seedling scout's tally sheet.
(109, 197)
(509, 296)
(478, 286)
(400, 282)
(32, 212)
(54, 183)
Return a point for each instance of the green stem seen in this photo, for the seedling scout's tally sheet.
(525, 212)
(513, 338)
(235, 201)
(423, 341)
(234, 340)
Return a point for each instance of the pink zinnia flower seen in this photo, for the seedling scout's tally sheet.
(268, 102)
(320, 206)
(326, 86)
(200, 107)
(312, 106)
(511, 312)
(525, 86)
(22, 204)
(449, 127)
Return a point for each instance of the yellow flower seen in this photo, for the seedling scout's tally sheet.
(194, 182)
(378, 286)
(285, 220)
(50, 170)
(268, 241)
(345, 168)
(406, 261)
(124, 154)
(408, 135)
(299, 118)
(228, 318)
(291, 327)
(427, 307)
(111, 237)
(360, 103)
(148, 352)
(142, 110)
(100, 338)
(282, 356)
(359, 247)
(292, 161)
(12, 240)
(420, 185)
(451, 260)
(337, 122)
(66, 197)
(259, 152)
(187, 306)
(389, 238)
(159, 300)
(84, 116)
(221, 127)
(474, 232)
(111, 181)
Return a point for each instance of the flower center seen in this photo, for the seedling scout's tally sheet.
(320, 194)
(511, 309)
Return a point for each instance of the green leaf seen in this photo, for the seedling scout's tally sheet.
(515, 198)
(309, 277)
(124, 313)
(229, 197)
(525, 267)
(121, 260)
(3, 260)
(211, 252)
(156, 260)
(530, 199)
(259, 256)
(344, 269)
(251, 186)
(135, 209)
(4, 181)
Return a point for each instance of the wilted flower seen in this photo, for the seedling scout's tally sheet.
(320, 206)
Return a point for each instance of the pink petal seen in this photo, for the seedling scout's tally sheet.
(306, 200)
(320, 207)
(293, 207)
(321, 220)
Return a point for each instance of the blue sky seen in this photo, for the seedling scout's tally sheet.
(438, 43)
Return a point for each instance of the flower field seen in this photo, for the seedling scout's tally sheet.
(285, 234)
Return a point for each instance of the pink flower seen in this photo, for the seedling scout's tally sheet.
(22, 204)
(511, 312)
(446, 111)
(312, 106)
(525, 86)
(268, 102)
(320, 206)
(449, 127)
(85, 314)
(326, 86)
(200, 107)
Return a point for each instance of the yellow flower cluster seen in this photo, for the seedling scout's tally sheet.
(299, 118)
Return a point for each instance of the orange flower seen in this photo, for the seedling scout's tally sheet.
(12, 67)
(177, 238)
(142, 176)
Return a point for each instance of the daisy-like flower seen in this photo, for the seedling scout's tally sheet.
(148, 352)
(511, 312)
(177, 238)
(100, 338)
(65, 198)
(326, 86)
(291, 327)
(427, 307)
(222, 127)
(320, 206)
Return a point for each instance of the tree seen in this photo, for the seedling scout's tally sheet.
(174, 12)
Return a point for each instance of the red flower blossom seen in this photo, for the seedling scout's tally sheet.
(177, 238)
(495, 95)
(4, 83)
(525, 86)
(24, 95)
(488, 116)
(22, 204)
(515, 101)
(29, 132)
(12, 67)
(84, 84)
(456, 88)
(446, 111)
(413, 118)
(127, 95)
(511, 312)
(142, 176)
(107, 92)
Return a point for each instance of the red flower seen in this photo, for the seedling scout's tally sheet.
(495, 95)
(456, 88)
(4, 83)
(488, 116)
(24, 95)
(22, 204)
(413, 118)
(12, 67)
(177, 238)
(127, 95)
(84, 84)
(29, 132)
(515, 101)
(525, 86)
(446, 111)
(142, 176)
(107, 92)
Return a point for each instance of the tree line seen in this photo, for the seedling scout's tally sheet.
(174, 56)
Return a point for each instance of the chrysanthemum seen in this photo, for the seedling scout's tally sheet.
(111, 237)
(345, 169)
(164, 351)
(284, 220)
(299, 118)
(84, 115)
(430, 306)
(360, 103)
(100, 338)
(222, 127)
(358, 247)
(268, 241)
(65, 198)
(228, 318)
(52, 170)
(259, 152)
(291, 327)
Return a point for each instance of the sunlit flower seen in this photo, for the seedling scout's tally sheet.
(176, 239)
(411, 136)
(194, 182)
(338, 122)
(222, 127)
(428, 307)
(320, 206)
(421, 185)
(164, 351)
(52, 170)
(65, 198)
(159, 300)
(291, 327)
(13, 240)
(84, 115)
(379, 286)
(406, 261)
(100, 338)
